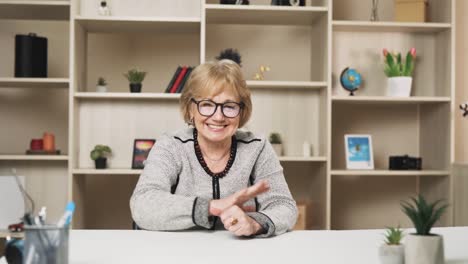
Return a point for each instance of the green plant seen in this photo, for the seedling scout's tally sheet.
(275, 138)
(394, 66)
(393, 235)
(100, 151)
(101, 81)
(135, 76)
(423, 214)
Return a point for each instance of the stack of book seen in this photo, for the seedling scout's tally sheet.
(177, 83)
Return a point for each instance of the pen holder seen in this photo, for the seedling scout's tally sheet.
(46, 245)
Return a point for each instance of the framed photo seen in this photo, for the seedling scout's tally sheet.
(141, 149)
(359, 153)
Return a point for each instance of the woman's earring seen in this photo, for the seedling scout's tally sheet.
(191, 122)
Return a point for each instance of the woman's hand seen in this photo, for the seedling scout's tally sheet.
(238, 222)
(217, 207)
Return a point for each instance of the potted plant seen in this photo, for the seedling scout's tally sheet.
(399, 72)
(423, 247)
(392, 251)
(277, 143)
(135, 78)
(101, 85)
(99, 155)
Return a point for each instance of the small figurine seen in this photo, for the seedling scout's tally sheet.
(104, 9)
(263, 69)
(464, 108)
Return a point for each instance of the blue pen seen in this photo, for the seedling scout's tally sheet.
(65, 220)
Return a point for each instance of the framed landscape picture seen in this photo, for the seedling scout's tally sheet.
(141, 149)
(359, 153)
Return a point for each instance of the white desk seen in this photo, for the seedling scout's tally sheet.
(205, 247)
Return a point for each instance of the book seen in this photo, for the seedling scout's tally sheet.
(174, 77)
(184, 80)
(178, 80)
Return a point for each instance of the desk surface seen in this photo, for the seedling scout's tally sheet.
(357, 246)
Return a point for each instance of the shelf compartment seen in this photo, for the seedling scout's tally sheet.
(12, 82)
(390, 100)
(285, 85)
(106, 172)
(156, 96)
(34, 157)
(390, 173)
(6, 233)
(139, 24)
(35, 10)
(378, 27)
(262, 14)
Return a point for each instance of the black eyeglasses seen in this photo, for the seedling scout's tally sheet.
(207, 108)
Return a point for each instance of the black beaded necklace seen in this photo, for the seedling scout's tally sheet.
(198, 153)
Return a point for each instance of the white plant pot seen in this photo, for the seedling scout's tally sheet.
(101, 88)
(392, 254)
(399, 86)
(424, 249)
(278, 149)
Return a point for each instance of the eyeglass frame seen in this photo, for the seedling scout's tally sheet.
(241, 106)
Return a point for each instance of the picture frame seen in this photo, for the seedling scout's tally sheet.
(141, 149)
(359, 153)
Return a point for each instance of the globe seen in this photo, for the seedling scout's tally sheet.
(350, 80)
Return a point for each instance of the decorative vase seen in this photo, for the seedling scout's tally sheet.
(424, 249)
(399, 86)
(101, 88)
(392, 254)
(135, 87)
(101, 163)
(278, 148)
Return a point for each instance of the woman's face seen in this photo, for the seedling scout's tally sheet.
(216, 128)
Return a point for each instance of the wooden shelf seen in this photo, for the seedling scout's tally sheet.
(6, 233)
(12, 82)
(106, 172)
(285, 85)
(407, 27)
(390, 100)
(389, 173)
(156, 96)
(148, 25)
(263, 14)
(34, 157)
(303, 159)
(35, 10)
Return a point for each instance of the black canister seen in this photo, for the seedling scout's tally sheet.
(30, 56)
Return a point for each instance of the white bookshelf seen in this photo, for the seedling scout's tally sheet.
(36, 10)
(106, 172)
(12, 82)
(302, 159)
(390, 100)
(34, 157)
(285, 85)
(262, 14)
(390, 173)
(111, 95)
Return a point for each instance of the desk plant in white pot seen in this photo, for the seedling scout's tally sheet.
(277, 143)
(101, 86)
(392, 252)
(423, 247)
(99, 155)
(399, 72)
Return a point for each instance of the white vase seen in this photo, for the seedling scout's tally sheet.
(399, 86)
(392, 254)
(424, 249)
(101, 88)
(278, 149)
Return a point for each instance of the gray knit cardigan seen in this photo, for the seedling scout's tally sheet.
(174, 190)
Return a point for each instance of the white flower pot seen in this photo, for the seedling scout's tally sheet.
(101, 88)
(424, 249)
(399, 86)
(278, 149)
(392, 254)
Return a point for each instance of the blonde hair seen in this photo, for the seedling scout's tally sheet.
(212, 78)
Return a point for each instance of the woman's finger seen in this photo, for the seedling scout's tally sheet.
(251, 192)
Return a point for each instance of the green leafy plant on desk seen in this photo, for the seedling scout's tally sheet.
(99, 154)
(423, 247)
(392, 251)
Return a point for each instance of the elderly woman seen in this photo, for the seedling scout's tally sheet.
(212, 175)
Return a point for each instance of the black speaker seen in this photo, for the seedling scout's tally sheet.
(30, 56)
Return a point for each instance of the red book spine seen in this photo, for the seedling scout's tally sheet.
(179, 79)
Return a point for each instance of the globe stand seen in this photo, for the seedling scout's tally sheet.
(350, 83)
